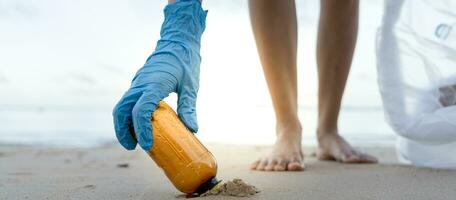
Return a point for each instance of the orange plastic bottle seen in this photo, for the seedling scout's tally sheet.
(186, 162)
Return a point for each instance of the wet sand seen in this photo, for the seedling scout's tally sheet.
(109, 172)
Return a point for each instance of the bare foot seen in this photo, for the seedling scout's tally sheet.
(334, 147)
(285, 156)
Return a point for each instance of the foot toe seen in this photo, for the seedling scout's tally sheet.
(270, 165)
(295, 166)
(368, 158)
(262, 165)
(360, 158)
(351, 159)
(281, 166)
(254, 165)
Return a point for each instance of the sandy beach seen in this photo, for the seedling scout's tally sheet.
(109, 172)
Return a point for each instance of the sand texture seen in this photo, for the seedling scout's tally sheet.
(237, 187)
(110, 172)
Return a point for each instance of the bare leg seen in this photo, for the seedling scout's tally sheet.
(275, 29)
(336, 42)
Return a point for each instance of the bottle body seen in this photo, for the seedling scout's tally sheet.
(185, 161)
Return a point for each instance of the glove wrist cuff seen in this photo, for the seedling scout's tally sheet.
(185, 21)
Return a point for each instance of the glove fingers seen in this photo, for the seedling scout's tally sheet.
(186, 109)
(123, 118)
(142, 113)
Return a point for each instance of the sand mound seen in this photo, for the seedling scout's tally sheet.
(236, 187)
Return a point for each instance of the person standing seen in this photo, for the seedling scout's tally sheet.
(274, 26)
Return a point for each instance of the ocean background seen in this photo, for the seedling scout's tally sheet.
(64, 65)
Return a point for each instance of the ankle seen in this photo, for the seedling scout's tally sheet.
(324, 132)
(290, 129)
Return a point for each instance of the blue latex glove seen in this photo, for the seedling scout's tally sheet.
(174, 66)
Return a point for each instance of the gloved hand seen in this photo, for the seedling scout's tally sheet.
(172, 67)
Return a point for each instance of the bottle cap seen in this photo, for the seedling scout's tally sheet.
(208, 185)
